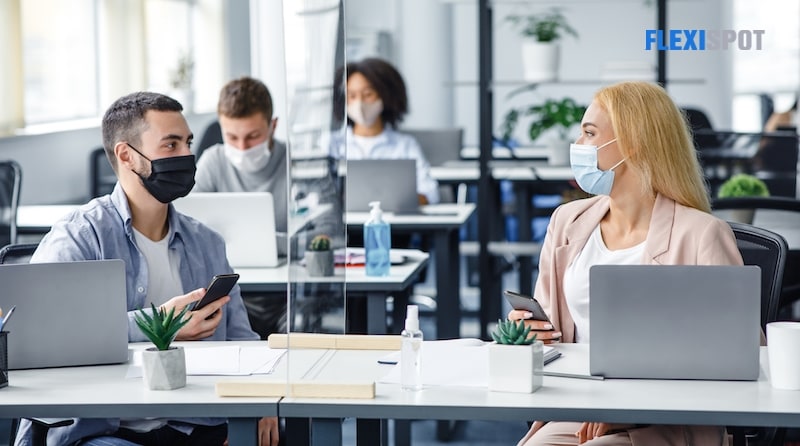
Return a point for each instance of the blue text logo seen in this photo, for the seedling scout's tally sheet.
(702, 39)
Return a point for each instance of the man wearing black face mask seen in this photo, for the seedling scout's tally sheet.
(169, 258)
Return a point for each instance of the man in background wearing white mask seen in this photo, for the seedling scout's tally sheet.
(250, 159)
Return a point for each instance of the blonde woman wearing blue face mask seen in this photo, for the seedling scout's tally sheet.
(636, 155)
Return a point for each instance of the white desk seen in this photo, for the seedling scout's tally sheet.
(725, 403)
(443, 222)
(104, 392)
(376, 289)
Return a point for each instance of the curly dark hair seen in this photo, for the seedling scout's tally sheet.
(386, 81)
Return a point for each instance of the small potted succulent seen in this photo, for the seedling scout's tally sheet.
(743, 185)
(540, 52)
(516, 358)
(319, 256)
(164, 366)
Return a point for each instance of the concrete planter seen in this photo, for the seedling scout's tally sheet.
(516, 368)
(319, 263)
(164, 369)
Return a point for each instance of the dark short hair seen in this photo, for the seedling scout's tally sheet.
(124, 119)
(386, 81)
(245, 97)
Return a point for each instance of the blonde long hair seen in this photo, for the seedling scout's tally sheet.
(653, 136)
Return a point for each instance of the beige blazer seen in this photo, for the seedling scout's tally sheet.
(678, 235)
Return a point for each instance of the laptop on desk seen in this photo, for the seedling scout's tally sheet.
(393, 182)
(67, 314)
(246, 220)
(674, 322)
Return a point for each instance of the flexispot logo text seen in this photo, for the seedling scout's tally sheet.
(702, 39)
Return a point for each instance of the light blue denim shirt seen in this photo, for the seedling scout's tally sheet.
(100, 230)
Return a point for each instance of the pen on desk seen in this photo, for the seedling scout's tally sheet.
(572, 375)
(5, 318)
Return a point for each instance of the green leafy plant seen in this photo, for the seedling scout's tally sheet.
(512, 333)
(559, 114)
(320, 243)
(162, 326)
(743, 185)
(545, 27)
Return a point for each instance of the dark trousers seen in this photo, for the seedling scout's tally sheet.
(201, 436)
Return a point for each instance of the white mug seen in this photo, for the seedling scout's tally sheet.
(783, 348)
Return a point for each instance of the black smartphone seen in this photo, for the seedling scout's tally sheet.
(221, 285)
(528, 303)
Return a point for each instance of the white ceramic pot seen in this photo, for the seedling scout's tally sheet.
(319, 263)
(516, 368)
(743, 215)
(164, 369)
(558, 152)
(539, 61)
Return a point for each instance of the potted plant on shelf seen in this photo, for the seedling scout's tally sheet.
(743, 185)
(516, 359)
(557, 114)
(319, 256)
(540, 52)
(180, 81)
(164, 367)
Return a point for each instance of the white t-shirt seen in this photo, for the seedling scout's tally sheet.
(163, 275)
(576, 277)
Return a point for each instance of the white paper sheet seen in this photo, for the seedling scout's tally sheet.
(220, 361)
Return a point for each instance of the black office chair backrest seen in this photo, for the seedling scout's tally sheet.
(211, 136)
(768, 251)
(17, 253)
(10, 183)
(101, 174)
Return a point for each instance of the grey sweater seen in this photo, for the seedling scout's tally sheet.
(215, 173)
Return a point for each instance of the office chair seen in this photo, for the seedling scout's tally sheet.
(101, 176)
(790, 291)
(17, 253)
(10, 182)
(768, 251)
(211, 136)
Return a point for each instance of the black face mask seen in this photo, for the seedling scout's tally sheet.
(170, 178)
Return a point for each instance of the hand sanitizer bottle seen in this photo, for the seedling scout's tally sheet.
(377, 242)
(411, 351)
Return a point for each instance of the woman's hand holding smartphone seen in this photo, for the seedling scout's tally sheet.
(528, 309)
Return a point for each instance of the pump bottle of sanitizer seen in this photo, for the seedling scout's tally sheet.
(411, 351)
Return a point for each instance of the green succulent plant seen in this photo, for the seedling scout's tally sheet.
(743, 185)
(512, 333)
(320, 243)
(162, 326)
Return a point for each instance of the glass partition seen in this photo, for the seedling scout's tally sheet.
(314, 47)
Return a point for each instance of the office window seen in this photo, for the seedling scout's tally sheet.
(775, 70)
(59, 60)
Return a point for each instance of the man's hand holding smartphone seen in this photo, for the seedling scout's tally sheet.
(528, 309)
(206, 307)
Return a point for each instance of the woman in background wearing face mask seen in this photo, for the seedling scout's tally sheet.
(636, 155)
(376, 100)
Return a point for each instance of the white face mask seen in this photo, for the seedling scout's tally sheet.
(250, 160)
(364, 113)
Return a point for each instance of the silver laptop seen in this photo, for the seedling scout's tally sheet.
(68, 314)
(674, 322)
(246, 220)
(392, 182)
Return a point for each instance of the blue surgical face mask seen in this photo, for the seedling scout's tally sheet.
(583, 160)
